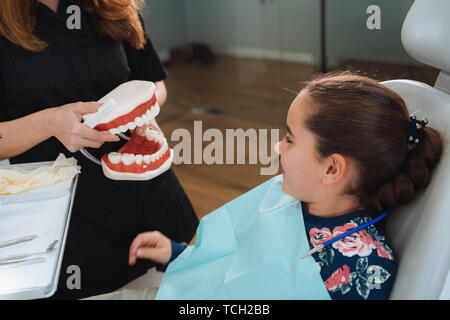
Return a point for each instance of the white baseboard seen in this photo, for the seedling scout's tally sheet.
(273, 54)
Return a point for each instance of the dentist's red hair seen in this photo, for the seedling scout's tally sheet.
(116, 19)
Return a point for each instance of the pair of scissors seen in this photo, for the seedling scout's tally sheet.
(321, 246)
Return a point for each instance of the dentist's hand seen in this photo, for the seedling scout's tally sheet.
(151, 245)
(65, 123)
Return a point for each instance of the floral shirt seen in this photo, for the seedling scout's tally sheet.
(359, 266)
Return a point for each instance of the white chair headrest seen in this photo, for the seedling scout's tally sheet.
(426, 33)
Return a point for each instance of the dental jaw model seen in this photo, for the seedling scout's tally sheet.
(130, 106)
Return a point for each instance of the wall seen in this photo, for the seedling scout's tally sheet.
(254, 28)
(348, 37)
(281, 29)
(166, 23)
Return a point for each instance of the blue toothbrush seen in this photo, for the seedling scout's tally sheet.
(321, 246)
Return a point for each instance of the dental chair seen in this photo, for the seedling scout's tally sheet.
(419, 232)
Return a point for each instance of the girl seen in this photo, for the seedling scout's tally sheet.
(351, 152)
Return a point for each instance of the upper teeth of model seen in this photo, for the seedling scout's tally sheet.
(138, 121)
(127, 158)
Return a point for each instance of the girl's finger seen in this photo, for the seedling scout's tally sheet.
(144, 239)
(155, 254)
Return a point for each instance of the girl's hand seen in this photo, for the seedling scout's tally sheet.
(65, 123)
(151, 245)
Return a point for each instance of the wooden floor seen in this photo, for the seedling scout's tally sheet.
(242, 93)
(210, 186)
(251, 93)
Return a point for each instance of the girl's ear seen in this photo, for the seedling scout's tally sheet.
(335, 169)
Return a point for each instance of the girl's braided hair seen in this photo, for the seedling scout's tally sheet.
(364, 120)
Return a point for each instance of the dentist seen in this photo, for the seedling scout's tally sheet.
(46, 69)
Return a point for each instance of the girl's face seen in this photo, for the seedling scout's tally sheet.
(302, 171)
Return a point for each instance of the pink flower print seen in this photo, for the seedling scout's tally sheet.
(382, 252)
(360, 243)
(318, 236)
(340, 277)
(343, 229)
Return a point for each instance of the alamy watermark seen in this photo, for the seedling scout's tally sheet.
(235, 142)
(374, 279)
(374, 20)
(74, 279)
(74, 20)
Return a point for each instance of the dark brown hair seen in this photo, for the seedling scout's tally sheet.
(117, 19)
(360, 118)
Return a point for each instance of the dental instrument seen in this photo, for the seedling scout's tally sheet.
(17, 263)
(50, 248)
(321, 246)
(18, 240)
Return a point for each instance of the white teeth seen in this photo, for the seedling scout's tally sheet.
(164, 148)
(127, 158)
(139, 158)
(114, 157)
(146, 119)
(153, 111)
(156, 110)
(139, 121)
(150, 134)
(131, 125)
(153, 135)
(163, 143)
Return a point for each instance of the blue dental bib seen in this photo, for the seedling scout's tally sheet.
(250, 248)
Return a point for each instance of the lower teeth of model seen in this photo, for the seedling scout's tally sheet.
(127, 158)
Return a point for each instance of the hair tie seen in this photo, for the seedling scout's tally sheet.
(416, 129)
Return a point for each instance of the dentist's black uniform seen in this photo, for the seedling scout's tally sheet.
(78, 65)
